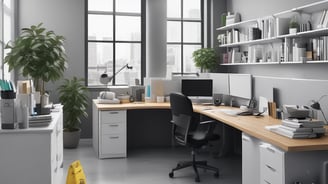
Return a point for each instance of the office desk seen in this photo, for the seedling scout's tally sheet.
(278, 159)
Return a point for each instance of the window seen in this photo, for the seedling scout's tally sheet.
(184, 34)
(114, 40)
(6, 32)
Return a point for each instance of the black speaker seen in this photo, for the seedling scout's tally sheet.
(217, 99)
(217, 102)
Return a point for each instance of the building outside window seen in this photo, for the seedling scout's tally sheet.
(184, 34)
(114, 40)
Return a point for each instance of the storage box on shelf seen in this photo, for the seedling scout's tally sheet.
(267, 40)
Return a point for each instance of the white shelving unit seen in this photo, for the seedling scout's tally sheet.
(272, 46)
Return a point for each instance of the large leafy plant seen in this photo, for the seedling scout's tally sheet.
(205, 58)
(74, 97)
(39, 54)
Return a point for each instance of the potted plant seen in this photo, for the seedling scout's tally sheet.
(293, 26)
(73, 95)
(39, 54)
(205, 59)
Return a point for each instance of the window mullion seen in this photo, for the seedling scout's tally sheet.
(114, 41)
(182, 37)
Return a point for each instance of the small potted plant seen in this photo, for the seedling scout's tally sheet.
(38, 54)
(205, 59)
(73, 95)
(293, 26)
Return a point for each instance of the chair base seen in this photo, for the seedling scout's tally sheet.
(195, 165)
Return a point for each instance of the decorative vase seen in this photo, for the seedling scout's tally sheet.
(292, 30)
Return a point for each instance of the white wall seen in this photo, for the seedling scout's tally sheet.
(64, 17)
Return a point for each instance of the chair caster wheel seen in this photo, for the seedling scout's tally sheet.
(197, 179)
(216, 174)
(171, 175)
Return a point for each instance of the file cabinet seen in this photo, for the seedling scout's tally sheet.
(271, 165)
(109, 134)
(32, 155)
(281, 167)
(250, 159)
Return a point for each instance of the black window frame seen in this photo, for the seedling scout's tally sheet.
(142, 41)
(182, 20)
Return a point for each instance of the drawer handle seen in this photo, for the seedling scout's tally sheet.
(271, 168)
(116, 137)
(246, 139)
(113, 112)
(267, 182)
(113, 125)
(271, 149)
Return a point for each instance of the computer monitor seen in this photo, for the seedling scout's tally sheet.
(197, 87)
(240, 85)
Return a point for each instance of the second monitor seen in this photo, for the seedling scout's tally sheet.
(199, 88)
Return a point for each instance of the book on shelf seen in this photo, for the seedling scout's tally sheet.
(325, 20)
(322, 20)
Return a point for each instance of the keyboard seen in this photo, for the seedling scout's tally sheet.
(231, 112)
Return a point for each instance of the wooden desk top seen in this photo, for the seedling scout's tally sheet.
(254, 126)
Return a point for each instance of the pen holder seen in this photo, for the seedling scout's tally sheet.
(8, 112)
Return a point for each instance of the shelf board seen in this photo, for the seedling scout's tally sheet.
(314, 7)
(237, 25)
(317, 62)
(264, 63)
(277, 63)
(291, 62)
(316, 32)
(308, 9)
(253, 42)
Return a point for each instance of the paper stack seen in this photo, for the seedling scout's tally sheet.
(40, 120)
(299, 128)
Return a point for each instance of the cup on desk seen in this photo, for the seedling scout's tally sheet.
(160, 99)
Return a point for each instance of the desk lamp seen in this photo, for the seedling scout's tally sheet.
(105, 79)
(316, 105)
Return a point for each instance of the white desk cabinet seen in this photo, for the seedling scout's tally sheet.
(250, 159)
(33, 155)
(109, 133)
(280, 167)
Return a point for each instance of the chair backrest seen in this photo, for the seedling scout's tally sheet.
(182, 112)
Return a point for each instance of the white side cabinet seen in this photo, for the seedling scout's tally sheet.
(109, 133)
(272, 164)
(33, 155)
(250, 159)
(281, 167)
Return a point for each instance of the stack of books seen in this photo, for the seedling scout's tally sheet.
(299, 128)
(40, 120)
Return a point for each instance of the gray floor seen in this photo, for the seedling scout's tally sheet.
(143, 166)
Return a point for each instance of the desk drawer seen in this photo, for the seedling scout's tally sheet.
(113, 128)
(112, 116)
(271, 164)
(271, 175)
(272, 157)
(113, 144)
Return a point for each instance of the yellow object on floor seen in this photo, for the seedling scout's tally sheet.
(75, 174)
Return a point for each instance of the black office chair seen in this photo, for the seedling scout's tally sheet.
(186, 132)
